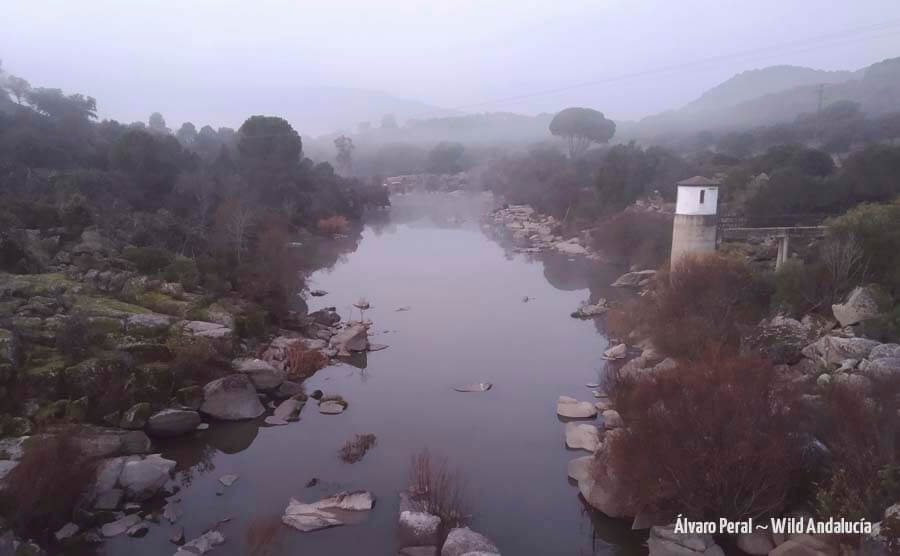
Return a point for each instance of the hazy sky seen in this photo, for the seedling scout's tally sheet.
(216, 61)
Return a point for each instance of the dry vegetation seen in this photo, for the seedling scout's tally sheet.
(712, 438)
(39, 494)
(354, 450)
(333, 225)
(302, 362)
(262, 533)
(438, 490)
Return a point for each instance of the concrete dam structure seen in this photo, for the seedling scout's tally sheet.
(696, 218)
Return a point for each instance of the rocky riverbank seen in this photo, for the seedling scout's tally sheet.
(811, 354)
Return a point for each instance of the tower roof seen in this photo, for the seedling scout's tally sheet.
(698, 181)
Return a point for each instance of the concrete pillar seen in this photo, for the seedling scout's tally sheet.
(784, 245)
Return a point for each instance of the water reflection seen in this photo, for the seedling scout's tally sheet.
(465, 284)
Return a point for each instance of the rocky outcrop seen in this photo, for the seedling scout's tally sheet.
(352, 338)
(136, 416)
(574, 409)
(142, 477)
(582, 437)
(831, 351)
(466, 542)
(635, 279)
(206, 329)
(617, 351)
(588, 311)
(863, 303)
(264, 376)
(148, 325)
(664, 541)
(780, 340)
(172, 422)
(231, 398)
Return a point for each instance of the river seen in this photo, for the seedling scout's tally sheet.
(467, 322)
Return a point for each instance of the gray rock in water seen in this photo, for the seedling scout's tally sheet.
(138, 530)
(143, 477)
(418, 551)
(579, 469)
(416, 528)
(664, 541)
(582, 437)
(464, 541)
(863, 303)
(177, 536)
(331, 408)
(229, 479)
(287, 389)
(574, 409)
(173, 422)
(477, 387)
(616, 352)
(612, 419)
(231, 398)
(324, 513)
(202, 544)
(275, 421)
(264, 376)
(352, 338)
(120, 526)
(288, 410)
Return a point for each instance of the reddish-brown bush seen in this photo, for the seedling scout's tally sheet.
(302, 362)
(698, 305)
(860, 435)
(635, 238)
(333, 225)
(262, 533)
(712, 438)
(40, 493)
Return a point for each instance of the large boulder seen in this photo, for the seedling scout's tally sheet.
(883, 371)
(664, 541)
(863, 303)
(415, 527)
(780, 340)
(231, 398)
(582, 437)
(352, 338)
(206, 329)
(136, 416)
(172, 422)
(634, 279)
(142, 478)
(264, 376)
(833, 350)
(326, 512)
(148, 325)
(463, 541)
(574, 409)
(885, 351)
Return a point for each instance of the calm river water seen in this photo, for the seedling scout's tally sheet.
(467, 323)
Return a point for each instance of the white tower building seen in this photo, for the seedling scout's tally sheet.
(696, 220)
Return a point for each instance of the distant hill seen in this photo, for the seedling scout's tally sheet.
(330, 109)
(779, 94)
(752, 84)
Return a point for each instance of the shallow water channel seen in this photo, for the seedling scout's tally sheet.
(467, 322)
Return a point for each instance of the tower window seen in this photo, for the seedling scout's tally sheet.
(702, 195)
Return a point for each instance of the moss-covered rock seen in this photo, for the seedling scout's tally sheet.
(162, 303)
(106, 307)
(14, 426)
(42, 376)
(148, 325)
(29, 285)
(76, 410)
(105, 325)
(94, 376)
(190, 397)
(153, 382)
(50, 412)
(10, 347)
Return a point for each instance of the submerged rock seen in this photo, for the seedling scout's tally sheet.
(574, 409)
(229, 479)
(120, 526)
(202, 544)
(352, 338)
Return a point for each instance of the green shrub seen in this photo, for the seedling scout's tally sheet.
(184, 271)
(877, 229)
(148, 260)
(253, 323)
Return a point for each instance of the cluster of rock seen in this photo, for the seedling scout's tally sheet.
(427, 182)
(418, 534)
(534, 232)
